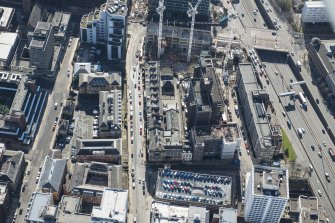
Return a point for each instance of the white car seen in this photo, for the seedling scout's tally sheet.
(319, 192)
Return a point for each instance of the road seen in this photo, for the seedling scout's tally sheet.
(306, 119)
(42, 142)
(140, 202)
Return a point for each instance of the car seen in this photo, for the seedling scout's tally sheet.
(320, 154)
(37, 179)
(317, 101)
(56, 105)
(311, 167)
(284, 113)
(20, 211)
(28, 172)
(292, 53)
(95, 127)
(324, 143)
(134, 68)
(15, 216)
(289, 123)
(296, 36)
(242, 14)
(319, 193)
(139, 180)
(254, 19)
(68, 139)
(313, 148)
(327, 177)
(303, 130)
(133, 185)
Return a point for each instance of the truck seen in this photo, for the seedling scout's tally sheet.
(299, 65)
(331, 153)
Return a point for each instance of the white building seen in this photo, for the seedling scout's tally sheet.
(314, 12)
(266, 194)
(113, 207)
(106, 25)
(163, 212)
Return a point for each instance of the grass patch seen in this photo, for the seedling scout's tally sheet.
(288, 148)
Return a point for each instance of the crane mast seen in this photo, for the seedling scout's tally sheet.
(191, 13)
(160, 9)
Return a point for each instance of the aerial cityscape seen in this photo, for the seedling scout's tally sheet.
(167, 111)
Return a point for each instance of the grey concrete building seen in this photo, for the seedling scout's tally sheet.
(322, 56)
(41, 45)
(42, 208)
(93, 83)
(215, 142)
(205, 96)
(265, 134)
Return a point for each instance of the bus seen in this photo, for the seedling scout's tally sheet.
(302, 100)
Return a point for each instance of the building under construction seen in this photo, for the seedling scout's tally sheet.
(176, 10)
(176, 40)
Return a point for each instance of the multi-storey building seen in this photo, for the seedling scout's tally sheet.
(314, 12)
(107, 25)
(266, 194)
(41, 45)
(265, 133)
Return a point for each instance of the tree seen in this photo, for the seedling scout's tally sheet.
(285, 5)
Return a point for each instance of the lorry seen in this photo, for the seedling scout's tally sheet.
(331, 153)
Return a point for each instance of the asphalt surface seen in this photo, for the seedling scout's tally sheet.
(45, 135)
(306, 119)
(140, 200)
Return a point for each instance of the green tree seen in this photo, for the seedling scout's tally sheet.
(285, 5)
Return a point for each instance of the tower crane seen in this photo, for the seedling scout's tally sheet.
(160, 9)
(192, 11)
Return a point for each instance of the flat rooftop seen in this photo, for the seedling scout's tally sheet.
(315, 4)
(3, 192)
(309, 211)
(270, 181)
(113, 206)
(39, 203)
(193, 187)
(6, 17)
(68, 211)
(7, 42)
(227, 132)
(250, 84)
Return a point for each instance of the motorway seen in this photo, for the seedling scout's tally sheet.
(306, 119)
(43, 140)
(140, 201)
(249, 19)
(252, 36)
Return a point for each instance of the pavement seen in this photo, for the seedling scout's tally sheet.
(42, 142)
(140, 201)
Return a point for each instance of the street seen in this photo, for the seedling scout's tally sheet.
(45, 136)
(140, 203)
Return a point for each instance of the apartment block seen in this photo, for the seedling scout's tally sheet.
(266, 194)
(106, 25)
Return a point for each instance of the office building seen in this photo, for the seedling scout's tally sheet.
(215, 142)
(177, 10)
(6, 17)
(266, 194)
(41, 45)
(314, 12)
(8, 45)
(25, 104)
(265, 133)
(166, 212)
(106, 25)
(205, 97)
(321, 54)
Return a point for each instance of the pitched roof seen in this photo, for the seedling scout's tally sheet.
(52, 174)
(10, 165)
